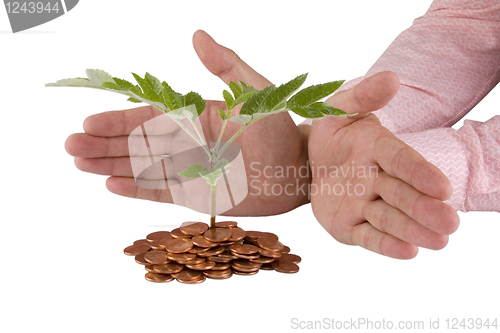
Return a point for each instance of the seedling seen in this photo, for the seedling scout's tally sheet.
(256, 104)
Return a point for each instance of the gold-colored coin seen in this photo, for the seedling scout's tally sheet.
(272, 254)
(291, 257)
(177, 233)
(206, 265)
(170, 268)
(218, 275)
(269, 244)
(179, 245)
(201, 241)
(158, 235)
(217, 235)
(285, 266)
(243, 249)
(158, 278)
(136, 249)
(156, 257)
(140, 259)
(212, 252)
(226, 224)
(193, 228)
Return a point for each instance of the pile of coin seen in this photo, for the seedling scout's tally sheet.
(194, 252)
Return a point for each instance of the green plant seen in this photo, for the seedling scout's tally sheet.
(256, 104)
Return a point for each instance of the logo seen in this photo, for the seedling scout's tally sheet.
(28, 14)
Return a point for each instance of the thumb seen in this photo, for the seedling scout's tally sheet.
(224, 62)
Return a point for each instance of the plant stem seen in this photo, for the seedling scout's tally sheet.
(220, 135)
(213, 203)
(219, 153)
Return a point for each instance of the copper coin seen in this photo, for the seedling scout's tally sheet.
(253, 235)
(157, 235)
(285, 249)
(162, 242)
(220, 266)
(246, 256)
(228, 243)
(244, 248)
(187, 274)
(291, 257)
(269, 244)
(267, 267)
(285, 266)
(245, 264)
(262, 260)
(159, 278)
(170, 268)
(149, 268)
(195, 261)
(228, 255)
(197, 249)
(242, 269)
(217, 235)
(193, 228)
(206, 265)
(238, 234)
(218, 259)
(212, 252)
(156, 257)
(177, 233)
(245, 273)
(272, 254)
(181, 256)
(136, 249)
(155, 245)
(226, 224)
(179, 245)
(140, 259)
(142, 241)
(219, 275)
(201, 279)
(202, 242)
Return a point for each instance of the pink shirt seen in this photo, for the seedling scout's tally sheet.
(447, 61)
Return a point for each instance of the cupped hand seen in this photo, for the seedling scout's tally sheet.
(272, 142)
(371, 189)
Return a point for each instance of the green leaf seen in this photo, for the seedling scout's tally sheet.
(223, 163)
(245, 88)
(155, 83)
(76, 82)
(134, 100)
(123, 84)
(213, 177)
(326, 109)
(170, 97)
(194, 171)
(98, 77)
(222, 114)
(236, 89)
(244, 97)
(280, 94)
(256, 102)
(193, 98)
(137, 91)
(147, 88)
(110, 85)
(241, 119)
(303, 112)
(229, 99)
(312, 94)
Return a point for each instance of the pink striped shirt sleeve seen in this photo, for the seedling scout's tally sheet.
(447, 61)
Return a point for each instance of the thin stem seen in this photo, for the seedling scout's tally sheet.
(219, 153)
(213, 192)
(223, 128)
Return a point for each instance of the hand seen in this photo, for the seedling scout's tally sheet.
(273, 142)
(396, 205)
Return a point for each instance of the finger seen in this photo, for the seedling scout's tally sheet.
(117, 123)
(224, 62)
(392, 221)
(429, 212)
(127, 187)
(368, 237)
(401, 161)
(108, 166)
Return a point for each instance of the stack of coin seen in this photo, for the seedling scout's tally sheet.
(193, 252)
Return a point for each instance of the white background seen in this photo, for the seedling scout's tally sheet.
(62, 233)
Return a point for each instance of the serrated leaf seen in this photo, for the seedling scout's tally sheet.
(246, 88)
(137, 91)
(280, 94)
(75, 82)
(193, 98)
(147, 88)
(256, 102)
(305, 113)
(134, 100)
(98, 77)
(123, 84)
(229, 99)
(194, 171)
(171, 99)
(236, 89)
(155, 83)
(325, 109)
(110, 85)
(244, 97)
(312, 94)
(241, 119)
